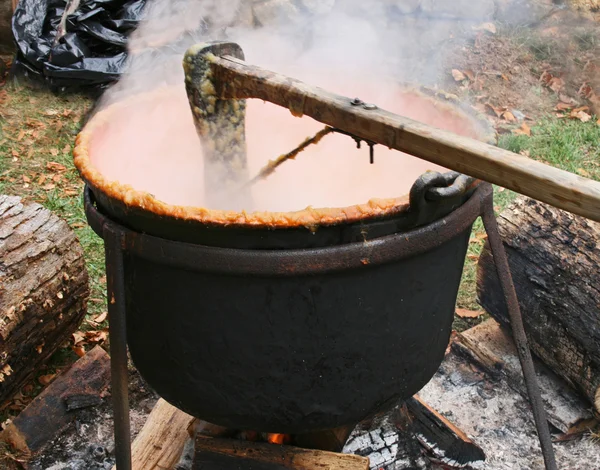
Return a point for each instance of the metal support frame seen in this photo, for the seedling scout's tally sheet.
(114, 237)
(115, 282)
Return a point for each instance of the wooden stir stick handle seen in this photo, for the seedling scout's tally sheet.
(236, 79)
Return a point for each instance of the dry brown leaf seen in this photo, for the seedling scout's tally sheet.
(497, 111)
(458, 75)
(41, 179)
(78, 337)
(79, 350)
(583, 172)
(505, 78)
(26, 179)
(54, 152)
(523, 130)
(510, 117)
(70, 192)
(67, 112)
(15, 153)
(49, 186)
(98, 336)
(50, 112)
(66, 148)
(473, 257)
(469, 74)
(100, 318)
(21, 134)
(46, 379)
(464, 313)
(580, 114)
(562, 106)
(586, 90)
(57, 178)
(53, 166)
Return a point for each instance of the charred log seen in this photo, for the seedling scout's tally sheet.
(49, 413)
(554, 258)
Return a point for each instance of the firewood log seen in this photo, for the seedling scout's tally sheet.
(43, 289)
(554, 258)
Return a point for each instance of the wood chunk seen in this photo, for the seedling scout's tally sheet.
(492, 348)
(47, 414)
(218, 454)
(443, 439)
(554, 258)
(82, 400)
(43, 289)
(160, 442)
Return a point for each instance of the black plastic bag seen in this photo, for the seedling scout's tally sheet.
(90, 52)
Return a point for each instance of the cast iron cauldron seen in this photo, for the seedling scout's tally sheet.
(294, 339)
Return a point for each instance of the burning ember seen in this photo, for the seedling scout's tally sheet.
(279, 438)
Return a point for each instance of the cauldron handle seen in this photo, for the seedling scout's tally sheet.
(434, 195)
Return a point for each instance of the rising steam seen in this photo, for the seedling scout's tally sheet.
(352, 47)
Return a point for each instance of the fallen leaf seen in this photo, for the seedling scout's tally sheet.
(79, 350)
(562, 106)
(67, 112)
(66, 148)
(70, 192)
(26, 179)
(100, 318)
(15, 153)
(46, 379)
(98, 336)
(41, 179)
(505, 78)
(580, 114)
(469, 74)
(583, 172)
(21, 134)
(54, 152)
(458, 75)
(53, 166)
(523, 130)
(78, 337)
(509, 116)
(525, 153)
(473, 257)
(586, 90)
(50, 112)
(497, 111)
(464, 313)
(49, 186)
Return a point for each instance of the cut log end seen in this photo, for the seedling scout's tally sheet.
(44, 289)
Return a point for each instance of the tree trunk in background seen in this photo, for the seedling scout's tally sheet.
(43, 289)
(554, 258)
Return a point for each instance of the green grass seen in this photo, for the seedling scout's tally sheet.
(37, 128)
(568, 144)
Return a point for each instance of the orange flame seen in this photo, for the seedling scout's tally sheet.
(279, 438)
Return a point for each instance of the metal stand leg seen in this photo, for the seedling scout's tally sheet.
(516, 321)
(118, 346)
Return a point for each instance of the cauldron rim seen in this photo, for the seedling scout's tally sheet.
(294, 262)
(309, 217)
